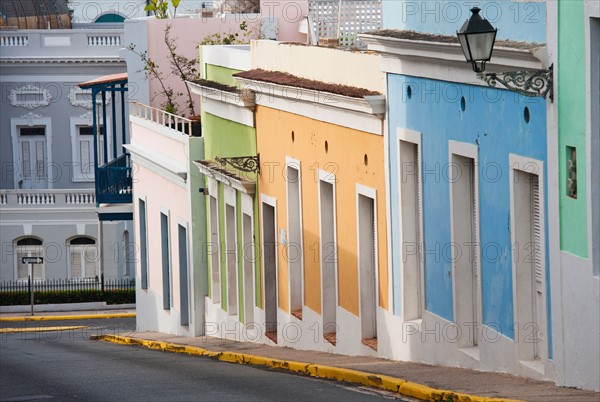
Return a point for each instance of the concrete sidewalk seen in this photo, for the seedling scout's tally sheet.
(455, 380)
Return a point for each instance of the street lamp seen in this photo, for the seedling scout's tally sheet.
(477, 37)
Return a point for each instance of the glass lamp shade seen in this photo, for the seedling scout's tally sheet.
(477, 37)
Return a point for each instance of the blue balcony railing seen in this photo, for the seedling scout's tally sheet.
(114, 181)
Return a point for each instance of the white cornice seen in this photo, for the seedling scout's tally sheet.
(157, 163)
(446, 61)
(363, 114)
(240, 184)
(295, 94)
(244, 99)
(503, 57)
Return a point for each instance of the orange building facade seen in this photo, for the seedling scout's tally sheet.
(322, 209)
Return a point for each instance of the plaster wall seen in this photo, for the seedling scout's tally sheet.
(476, 125)
(286, 15)
(194, 31)
(342, 159)
(576, 286)
(301, 61)
(572, 126)
(171, 195)
(55, 234)
(446, 17)
(59, 82)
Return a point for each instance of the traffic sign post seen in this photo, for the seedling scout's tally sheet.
(31, 261)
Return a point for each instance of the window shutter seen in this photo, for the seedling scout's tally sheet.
(84, 157)
(90, 257)
(537, 233)
(26, 159)
(40, 162)
(75, 262)
(22, 269)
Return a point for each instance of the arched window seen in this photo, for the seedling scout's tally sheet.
(110, 17)
(29, 247)
(83, 258)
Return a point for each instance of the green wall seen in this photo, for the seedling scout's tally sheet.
(221, 74)
(572, 124)
(224, 138)
(228, 138)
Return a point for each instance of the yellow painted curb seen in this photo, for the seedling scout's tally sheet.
(40, 329)
(66, 317)
(384, 382)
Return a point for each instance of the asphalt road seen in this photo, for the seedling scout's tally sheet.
(66, 365)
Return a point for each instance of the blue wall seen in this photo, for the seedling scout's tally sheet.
(515, 20)
(494, 120)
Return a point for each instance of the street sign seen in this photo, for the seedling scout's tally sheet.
(33, 260)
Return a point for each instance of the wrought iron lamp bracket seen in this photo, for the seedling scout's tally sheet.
(528, 83)
(244, 163)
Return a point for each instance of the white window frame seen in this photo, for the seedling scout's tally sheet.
(330, 178)
(167, 212)
(229, 199)
(75, 123)
(271, 201)
(467, 150)
(248, 209)
(413, 137)
(213, 191)
(295, 164)
(30, 121)
(28, 250)
(517, 162)
(371, 193)
(82, 248)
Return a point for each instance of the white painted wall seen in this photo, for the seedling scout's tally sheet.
(320, 63)
(157, 182)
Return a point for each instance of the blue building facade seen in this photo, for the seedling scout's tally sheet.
(467, 195)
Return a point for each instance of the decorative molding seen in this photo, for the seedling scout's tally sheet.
(528, 83)
(30, 117)
(83, 98)
(88, 117)
(37, 92)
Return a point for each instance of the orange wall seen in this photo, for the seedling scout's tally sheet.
(345, 158)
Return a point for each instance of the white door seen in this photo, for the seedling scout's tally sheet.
(32, 158)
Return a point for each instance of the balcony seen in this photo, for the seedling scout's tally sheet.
(34, 199)
(71, 44)
(114, 180)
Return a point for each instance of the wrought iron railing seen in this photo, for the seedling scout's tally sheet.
(114, 181)
(67, 290)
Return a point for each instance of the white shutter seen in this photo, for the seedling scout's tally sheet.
(90, 257)
(40, 159)
(84, 157)
(537, 233)
(26, 159)
(76, 262)
(22, 269)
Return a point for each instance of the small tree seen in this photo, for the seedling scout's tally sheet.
(235, 38)
(183, 67)
(160, 8)
(152, 69)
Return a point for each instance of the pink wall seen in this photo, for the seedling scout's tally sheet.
(189, 32)
(288, 14)
(166, 196)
